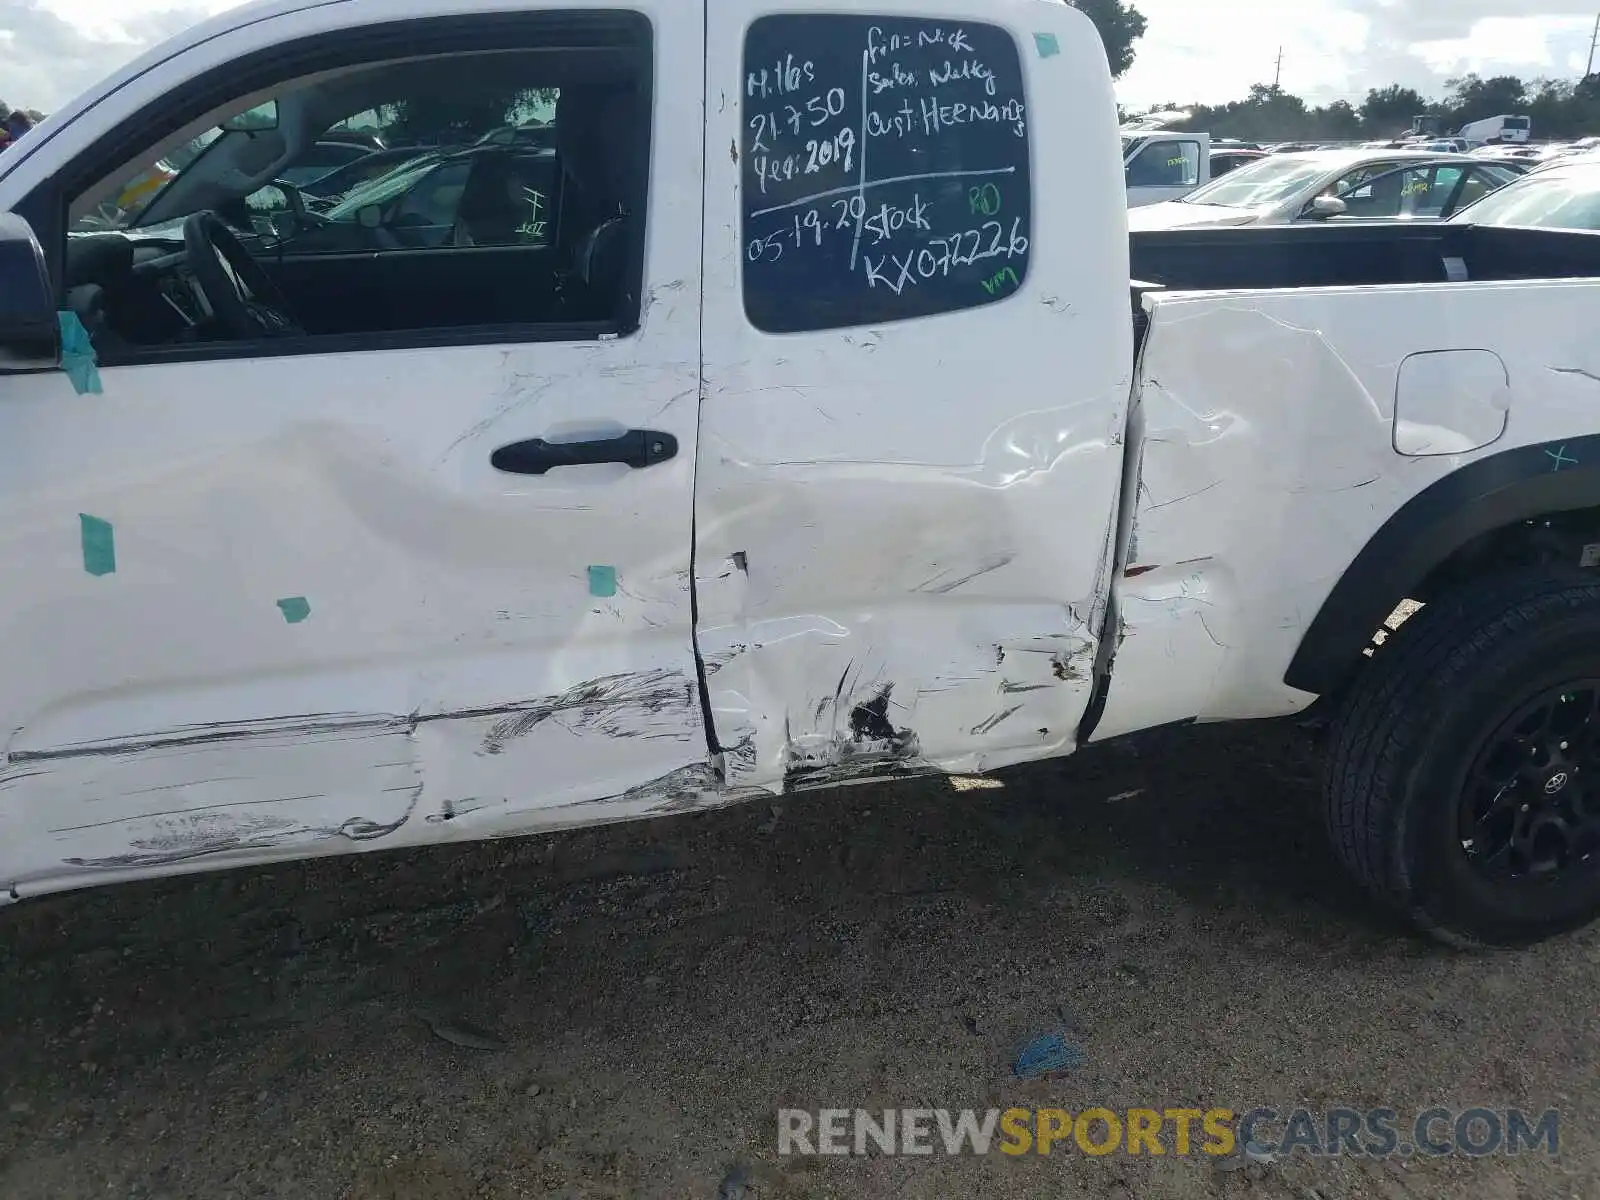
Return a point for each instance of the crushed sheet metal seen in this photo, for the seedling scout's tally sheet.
(885, 652)
(1265, 470)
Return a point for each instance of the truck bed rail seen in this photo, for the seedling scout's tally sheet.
(1343, 254)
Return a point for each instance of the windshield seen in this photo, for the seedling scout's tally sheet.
(382, 189)
(1566, 199)
(1265, 181)
(122, 205)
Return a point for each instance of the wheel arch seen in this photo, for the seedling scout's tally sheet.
(1422, 536)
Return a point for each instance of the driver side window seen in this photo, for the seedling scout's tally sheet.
(460, 191)
(1376, 191)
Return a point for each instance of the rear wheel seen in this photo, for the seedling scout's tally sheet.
(1463, 779)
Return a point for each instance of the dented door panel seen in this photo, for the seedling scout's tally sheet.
(1270, 457)
(447, 664)
(904, 528)
(260, 609)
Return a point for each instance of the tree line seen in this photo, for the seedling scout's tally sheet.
(1558, 108)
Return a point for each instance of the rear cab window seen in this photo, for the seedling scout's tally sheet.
(885, 170)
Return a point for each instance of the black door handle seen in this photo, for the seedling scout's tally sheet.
(638, 448)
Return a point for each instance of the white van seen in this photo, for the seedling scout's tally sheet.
(1501, 130)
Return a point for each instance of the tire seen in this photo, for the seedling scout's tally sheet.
(1413, 791)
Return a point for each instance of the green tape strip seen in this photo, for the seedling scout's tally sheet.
(602, 581)
(1046, 45)
(77, 354)
(99, 545)
(294, 608)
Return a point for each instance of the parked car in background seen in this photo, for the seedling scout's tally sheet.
(1509, 153)
(336, 183)
(1325, 184)
(1557, 161)
(367, 139)
(1555, 153)
(1164, 165)
(321, 157)
(472, 196)
(1565, 195)
(1225, 162)
(486, 195)
(538, 134)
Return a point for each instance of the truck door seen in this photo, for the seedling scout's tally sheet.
(917, 361)
(425, 575)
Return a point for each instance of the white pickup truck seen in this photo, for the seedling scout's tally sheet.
(1159, 165)
(772, 415)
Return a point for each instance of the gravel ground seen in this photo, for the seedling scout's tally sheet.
(661, 989)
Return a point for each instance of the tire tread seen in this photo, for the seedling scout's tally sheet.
(1382, 723)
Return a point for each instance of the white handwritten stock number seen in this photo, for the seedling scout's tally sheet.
(881, 224)
(939, 256)
(819, 110)
(820, 154)
(935, 258)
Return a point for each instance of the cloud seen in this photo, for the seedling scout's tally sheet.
(1338, 49)
(47, 57)
(1408, 22)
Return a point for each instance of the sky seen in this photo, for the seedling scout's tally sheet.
(1212, 52)
(1205, 51)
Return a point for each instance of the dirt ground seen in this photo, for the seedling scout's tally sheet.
(662, 989)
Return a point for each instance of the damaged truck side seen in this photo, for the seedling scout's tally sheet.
(721, 398)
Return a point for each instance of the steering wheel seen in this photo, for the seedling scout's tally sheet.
(240, 293)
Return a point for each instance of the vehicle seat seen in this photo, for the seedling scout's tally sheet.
(488, 212)
(592, 142)
(1380, 198)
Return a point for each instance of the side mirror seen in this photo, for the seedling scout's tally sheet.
(1324, 207)
(30, 331)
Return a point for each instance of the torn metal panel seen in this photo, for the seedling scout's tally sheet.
(1167, 653)
(870, 744)
(1270, 458)
(908, 627)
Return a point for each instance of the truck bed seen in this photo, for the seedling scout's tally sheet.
(1342, 254)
